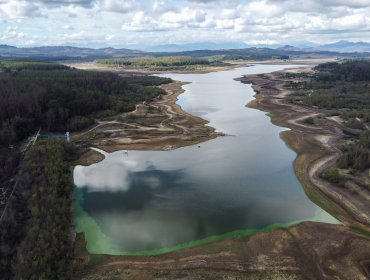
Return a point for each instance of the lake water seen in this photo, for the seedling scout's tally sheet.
(157, 201)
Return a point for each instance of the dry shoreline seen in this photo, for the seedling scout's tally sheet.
(305, 251)
(316, 147)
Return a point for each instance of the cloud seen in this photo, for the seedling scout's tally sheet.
(19, 9)
(59, 3)
(175, 21)
(68, 27)
(11, 33)
(117, 6)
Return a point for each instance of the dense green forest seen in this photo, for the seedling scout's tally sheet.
(341, 85)
(350, 71)
(57, 98)
(36, 237)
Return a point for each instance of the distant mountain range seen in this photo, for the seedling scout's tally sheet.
(345, 46)
(59, 53)
(194, 46)
(340, 46)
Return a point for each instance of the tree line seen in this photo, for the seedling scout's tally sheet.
(350, 71)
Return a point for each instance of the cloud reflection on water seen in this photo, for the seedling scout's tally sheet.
(112, 175)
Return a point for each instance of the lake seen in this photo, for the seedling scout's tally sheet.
(150, 202)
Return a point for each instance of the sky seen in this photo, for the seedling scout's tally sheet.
(118, 23)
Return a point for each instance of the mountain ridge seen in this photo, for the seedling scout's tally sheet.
(60, 53)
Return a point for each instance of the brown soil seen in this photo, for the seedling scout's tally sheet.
(306, 251)
(89, 158)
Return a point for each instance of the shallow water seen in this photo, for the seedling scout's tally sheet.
(158, 199)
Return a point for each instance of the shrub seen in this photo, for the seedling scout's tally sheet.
(309, 120)
(333, 176)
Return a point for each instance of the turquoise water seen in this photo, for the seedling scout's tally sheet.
(156, 201)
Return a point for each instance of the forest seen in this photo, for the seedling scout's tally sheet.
(58, 98)
(350, 71)
(341, 85)
(36, 236)
(356, 155)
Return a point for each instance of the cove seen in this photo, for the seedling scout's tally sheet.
(151, 202)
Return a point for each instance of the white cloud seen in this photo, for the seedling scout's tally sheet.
(109, 37)
(163, 21)
(15, 9)
(11, 33)
(117, 6)
(68, 27)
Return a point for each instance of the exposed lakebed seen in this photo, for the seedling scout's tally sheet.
(156, 201)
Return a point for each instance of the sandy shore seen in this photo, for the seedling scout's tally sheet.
(317, 148)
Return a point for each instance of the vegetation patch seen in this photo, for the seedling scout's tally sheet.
(357, 154)
(309, 120)
(333, 176)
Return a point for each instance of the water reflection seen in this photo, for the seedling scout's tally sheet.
(150, 199)
(144, 187)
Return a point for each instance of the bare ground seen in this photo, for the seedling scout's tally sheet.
(305, 251)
